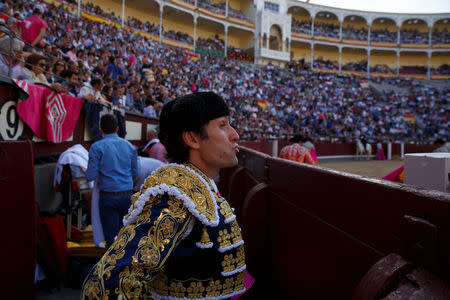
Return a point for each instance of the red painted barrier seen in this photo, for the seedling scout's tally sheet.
(313, 233)
(18, 220)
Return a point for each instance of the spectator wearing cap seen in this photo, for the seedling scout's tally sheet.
(296, 151)
(33, 28)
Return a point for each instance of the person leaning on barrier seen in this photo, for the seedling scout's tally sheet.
(308, 144)
(180, 239)
(91, 91)
(297, 152)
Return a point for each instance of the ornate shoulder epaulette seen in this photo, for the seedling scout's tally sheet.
(183, 183)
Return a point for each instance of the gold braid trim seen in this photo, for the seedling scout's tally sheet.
(184, 182)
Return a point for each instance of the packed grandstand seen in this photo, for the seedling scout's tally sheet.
(324, 89)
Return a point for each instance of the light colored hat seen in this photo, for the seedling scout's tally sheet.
(39, 8)
(5, 44)
(18, 15)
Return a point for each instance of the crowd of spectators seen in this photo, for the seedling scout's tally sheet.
(298, 65)
(101, 63)
(189, 1)
(326, 64)
(220, 8)
(325, 29)
(441, 70)
(406, 37)
(413, 70)
(352, 33)
(211, 6)
(357, 66)
(237, 14)
(383, 69)
(440, 37)
(239, 54)
(178, 36)
(384, 36)
(97, 10)
(413, 37)
(146, 27)
(301, 26)
(428, 104)
(211, 44)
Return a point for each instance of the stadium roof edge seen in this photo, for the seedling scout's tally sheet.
(293, 3)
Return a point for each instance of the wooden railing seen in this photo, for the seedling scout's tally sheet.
(313, 233)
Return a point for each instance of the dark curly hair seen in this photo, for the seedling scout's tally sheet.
(109, 123)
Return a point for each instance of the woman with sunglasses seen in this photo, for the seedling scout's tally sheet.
(35, 66)
(58, 71)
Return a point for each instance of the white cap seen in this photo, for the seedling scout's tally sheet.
(40, 8)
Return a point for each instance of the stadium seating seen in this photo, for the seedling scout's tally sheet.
(267, 101)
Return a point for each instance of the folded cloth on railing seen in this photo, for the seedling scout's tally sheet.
(52, 116)
(76, 155)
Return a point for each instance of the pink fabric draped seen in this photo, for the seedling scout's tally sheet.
(394, 175)
(51, 116)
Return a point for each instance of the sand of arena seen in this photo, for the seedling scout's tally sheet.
(370, 168)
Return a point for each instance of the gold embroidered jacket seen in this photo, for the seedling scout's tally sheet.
(180, 240)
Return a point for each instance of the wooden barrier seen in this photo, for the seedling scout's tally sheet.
(312, 233)
(18, 220)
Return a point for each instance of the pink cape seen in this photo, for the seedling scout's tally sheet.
(394, 175)
(381, 154)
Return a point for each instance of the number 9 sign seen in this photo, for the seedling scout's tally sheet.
(11, 126)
